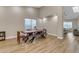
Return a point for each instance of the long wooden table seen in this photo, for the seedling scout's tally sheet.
(26, 32)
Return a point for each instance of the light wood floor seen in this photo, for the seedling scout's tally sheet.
(48, 45)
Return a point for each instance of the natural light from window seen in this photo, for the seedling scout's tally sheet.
(30, 23)
(68, 25)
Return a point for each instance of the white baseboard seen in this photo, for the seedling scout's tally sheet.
(60, 37)
(10, 37)
(55, 35)
(52, 34)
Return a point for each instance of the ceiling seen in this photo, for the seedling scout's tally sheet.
(69, 13)
(36, 6)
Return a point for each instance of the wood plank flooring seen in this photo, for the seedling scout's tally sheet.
(51, 44)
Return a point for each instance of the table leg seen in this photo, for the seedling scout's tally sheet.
(18, 37)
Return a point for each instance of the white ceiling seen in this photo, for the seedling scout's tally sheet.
(36, 6)
(69, 13)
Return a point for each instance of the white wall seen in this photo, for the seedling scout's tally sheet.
(77, 23)
(12, 18)
(54, 27)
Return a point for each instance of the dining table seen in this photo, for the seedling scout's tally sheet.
(26, 34)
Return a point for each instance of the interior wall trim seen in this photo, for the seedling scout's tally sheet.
(11, 37)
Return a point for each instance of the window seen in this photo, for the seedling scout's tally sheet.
(67, 25)
(33, 23)
(30, 23)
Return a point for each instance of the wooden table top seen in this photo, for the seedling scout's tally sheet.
(31, 31)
